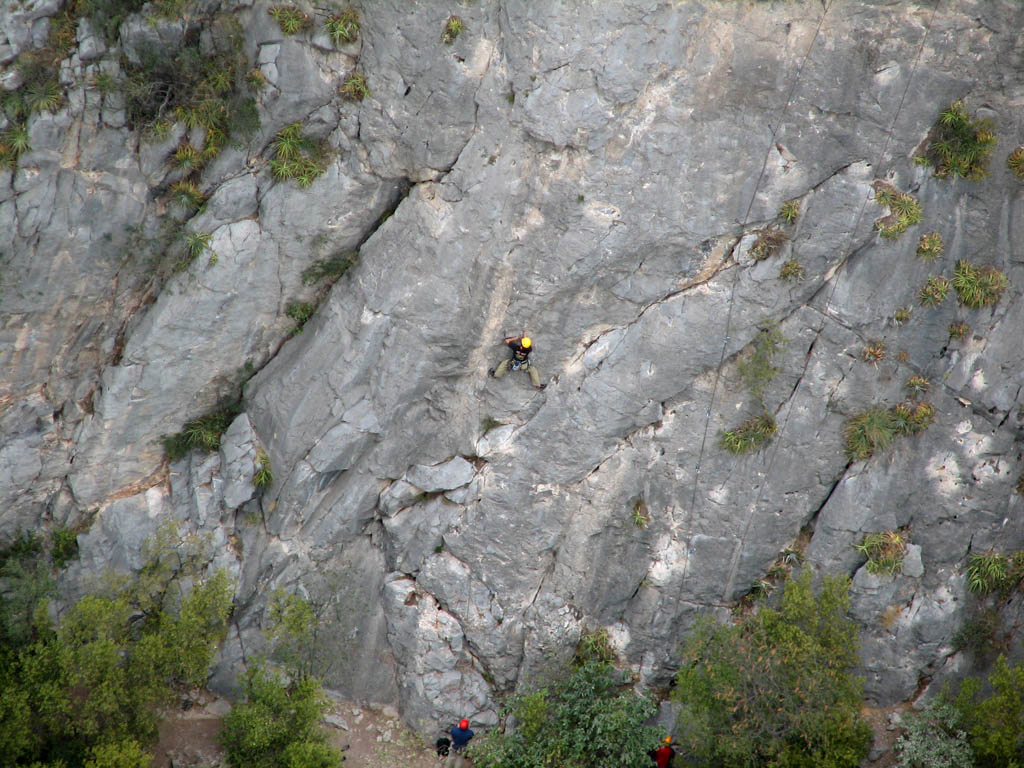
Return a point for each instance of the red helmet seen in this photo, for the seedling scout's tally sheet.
(463, 724)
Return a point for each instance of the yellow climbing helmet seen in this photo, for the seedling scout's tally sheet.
(525, 343)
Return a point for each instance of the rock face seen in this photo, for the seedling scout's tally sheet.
(599, 178)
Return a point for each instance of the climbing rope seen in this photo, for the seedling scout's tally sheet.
(735, 277)
(734, 565)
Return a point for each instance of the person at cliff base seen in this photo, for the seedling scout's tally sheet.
(663, 755)
(460, 738)
(521, 346)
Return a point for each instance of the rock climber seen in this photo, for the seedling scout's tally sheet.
(663, 755)
(521, 346)
(460, 738)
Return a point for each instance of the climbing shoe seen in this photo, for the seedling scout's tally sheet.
(490, 372)
(542, 386)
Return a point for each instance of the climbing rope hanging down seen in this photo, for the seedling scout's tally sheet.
(732, 287)
(825, 312)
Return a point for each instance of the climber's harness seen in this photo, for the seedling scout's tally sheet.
(516, 364)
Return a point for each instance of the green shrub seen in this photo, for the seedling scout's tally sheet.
(934, 738)
(290, 19)
(187, 158)
(278, 725)
(202, 434)
(991, 571)
(43, 96)
(106, 16)
(187, 196)
(750, 435)
(912, 418)
(873, 352)
(196, 243)
(930, 246)
(884, 552)
(27, 582)
(594, 647)
(452, 29)
(263, 477)
(874, 429)
(355, 88)
(904, 210)
(343, 27)
(1015, 162)
(918, 385)
(641, 516)
(127, 753)
(88, 691)
(776, 688)
(790, 211)
(977, 635)
(994, 723)
(758, 369)
(960, 146)
(13, 144)
(767, 243)
(934, 291)
(867, 432)
(195, 86)
(978, 287)
(297, 156)
(65, 546)
(585, 718)
(959, 331)
(901, 316)
(330, 270)
(792, 270)
(255, 79)
(300, 312)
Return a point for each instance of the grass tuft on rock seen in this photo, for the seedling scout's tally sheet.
(904, 210)
(874, 429)
(750, 435)
(768, 242)
(934, 291)
(343, 27)
(290, 19)
(297, 156)
(959, 145)
(884, 552)
(978, 286)
(202, 434)
(1015, 162)
(930, 246)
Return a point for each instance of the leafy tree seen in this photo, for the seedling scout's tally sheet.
(293, 632)
(278, 725)
(776, 688)
(86, 691)
(120, 754)
(584, 720)
(25, 579)
(934, 738)
(995, 724)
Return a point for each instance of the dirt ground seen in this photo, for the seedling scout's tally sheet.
(370, 738)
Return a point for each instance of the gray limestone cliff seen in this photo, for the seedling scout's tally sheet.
(597, 175)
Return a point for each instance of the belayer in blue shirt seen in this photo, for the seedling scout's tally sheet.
(460, 738)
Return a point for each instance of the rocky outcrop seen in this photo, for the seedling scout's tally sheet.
(598, 179)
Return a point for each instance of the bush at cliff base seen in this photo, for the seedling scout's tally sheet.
(586, 718)
(995, 723)
(776, 688)
(87, 690)
(278, 726)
